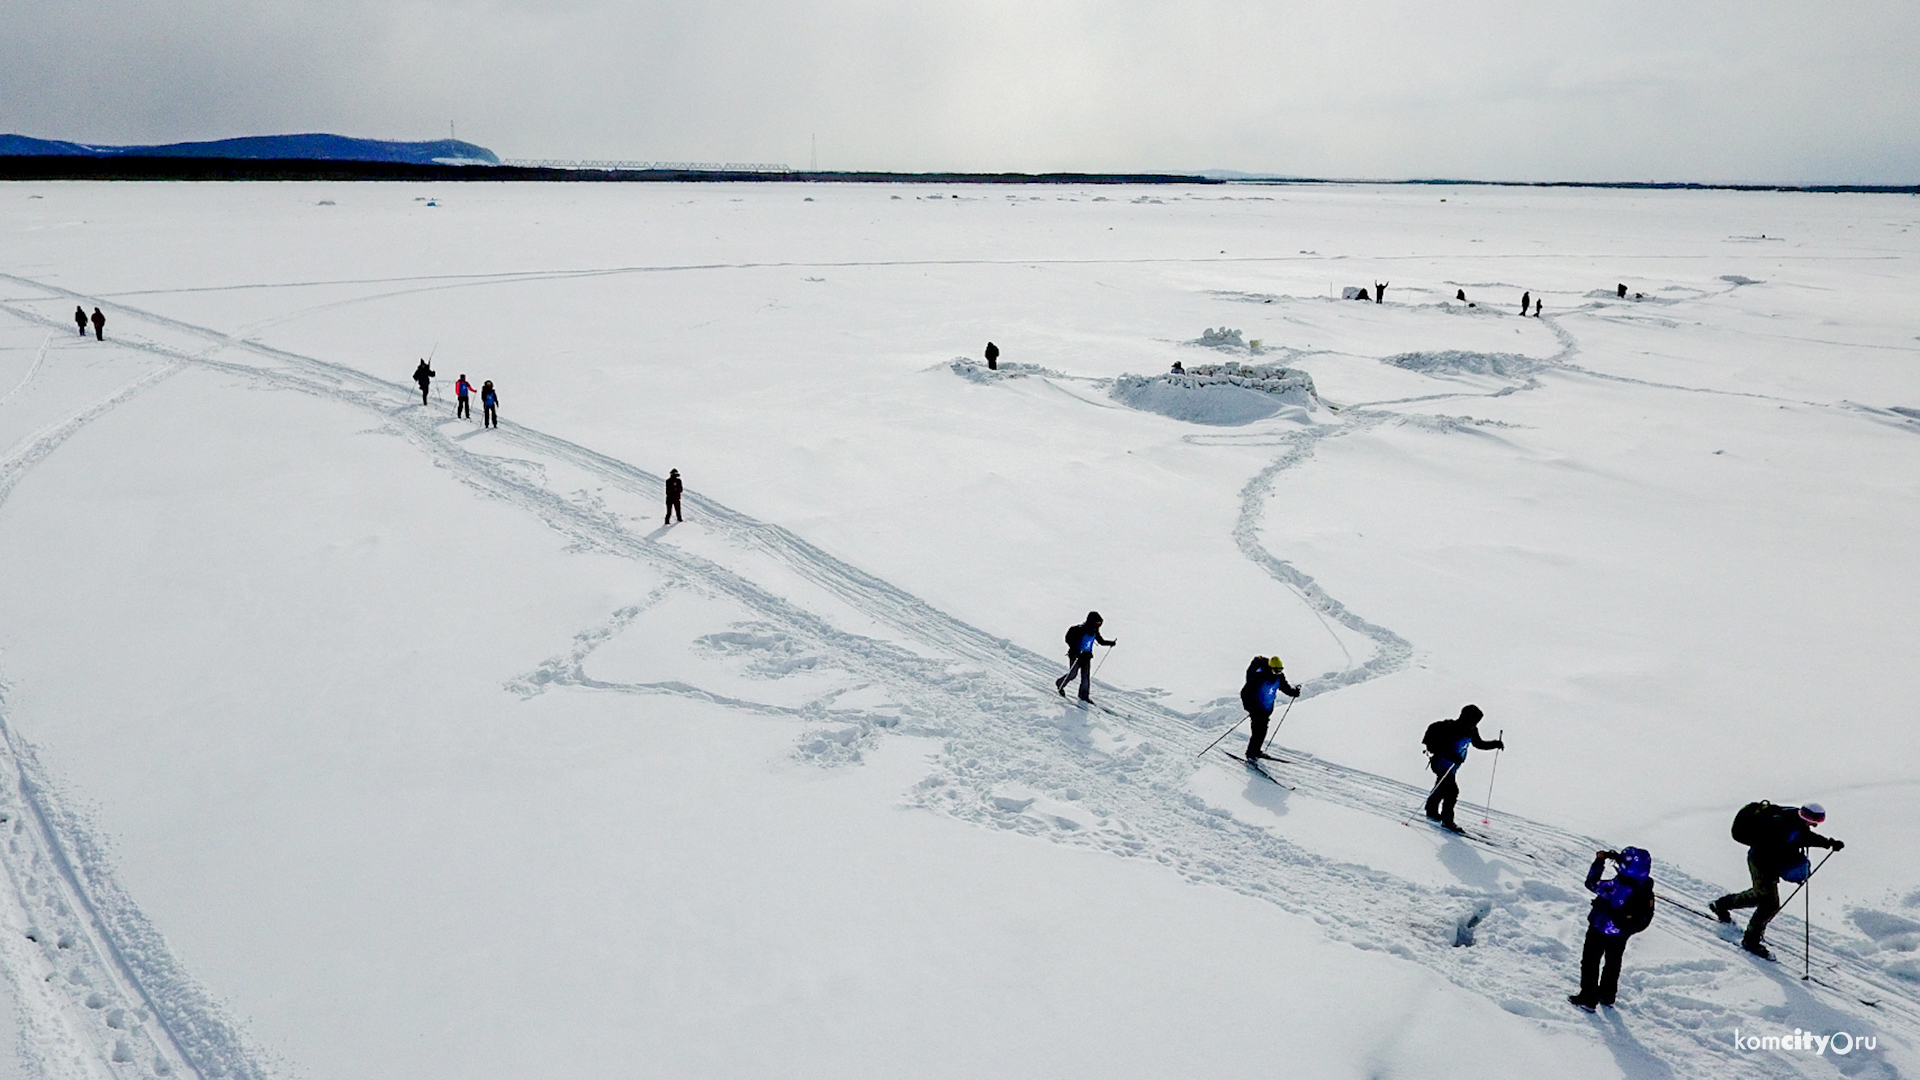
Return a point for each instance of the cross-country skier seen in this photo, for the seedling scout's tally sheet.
(674, 488)
(1777, 838)
(461, 388)
(1447, 742)
(80, 319)
(99, 325)
(1080, 642)
(423, 375)
(1265, 682)
(489, 405)
(1622, 907)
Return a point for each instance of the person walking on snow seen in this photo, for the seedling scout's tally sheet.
(489, 405)
(1622, 907)
(423, 375)
(1777, 838)
(99, 326)
(1447, 742)
(80, 319)
(1526, 301)
(674, 488)
(1080, 642)
(993, 357)
(1265, 683)
(461, 388)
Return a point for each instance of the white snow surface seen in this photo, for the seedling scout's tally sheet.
(345, 739)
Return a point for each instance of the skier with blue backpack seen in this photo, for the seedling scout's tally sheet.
(1266, 681)
(1622, 907)
(1447, 742)
(1777, 839)
(1080, 642)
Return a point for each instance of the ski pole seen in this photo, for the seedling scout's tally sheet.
(1216, 742)
(1103, 660)
(1803, 884)
(1806, 934)
(1276, 727)
(1486, 808)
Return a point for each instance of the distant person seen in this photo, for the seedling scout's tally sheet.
(1080, 642)
(1179, 368)
(1265, 682)
(1777, 838)
(1460, 295)
(674, 488)
(489, 405)
(424, 376)
(80, 319)
(1620, 290)
(1622, 907)
(993, 357)
(1526, 301)
(1537, 305)
(1380, 292)
(1447, 742)
(99, 325)
(461, 388)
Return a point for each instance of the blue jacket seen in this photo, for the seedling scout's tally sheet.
(1081, 639)
(1264, 686)
(1622, 905)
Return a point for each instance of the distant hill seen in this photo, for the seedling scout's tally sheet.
(267, 147)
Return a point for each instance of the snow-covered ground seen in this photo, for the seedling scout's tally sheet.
(346, 739)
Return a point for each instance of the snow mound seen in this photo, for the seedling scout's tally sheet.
(1448, 362)
(1740, 279)
(975, 371)
(1219, 395)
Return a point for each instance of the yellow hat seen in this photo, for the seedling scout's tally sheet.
(1274, 663)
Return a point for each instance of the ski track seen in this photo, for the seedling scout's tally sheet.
(1013, 757)
(32, 370)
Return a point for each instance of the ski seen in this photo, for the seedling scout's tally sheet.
(1243, 760)
(1264, 774)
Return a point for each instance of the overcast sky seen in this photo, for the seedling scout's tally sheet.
(1741, 90)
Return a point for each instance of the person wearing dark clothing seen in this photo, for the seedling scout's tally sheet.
(1460, 295)
(1537, 305)
(80, 320)
(1265, 683)
(1179, 368)
(461, 388)
(1622, 907)
(993, 357)
(1380, 292)
(1447, 741)
(673, 497)
(1779, 837)
(1620, 291)
(99, 326)
(1080, 642)
(489, 405)
(1526, 301)
(424, 376)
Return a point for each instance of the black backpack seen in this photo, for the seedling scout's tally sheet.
(1439, 738)
(1637, 913)
(1749, 825)
(1073, 638)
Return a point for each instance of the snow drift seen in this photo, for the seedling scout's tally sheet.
(1222, 395)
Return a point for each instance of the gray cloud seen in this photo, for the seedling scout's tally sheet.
(1764, 90)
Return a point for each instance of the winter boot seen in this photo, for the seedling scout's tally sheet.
(1757, 948)
(1720, 911)
(1586, 1003)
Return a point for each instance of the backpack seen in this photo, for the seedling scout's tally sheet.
(1637, 913)
(1748, 823)
(1439, 738)
(1073, 638)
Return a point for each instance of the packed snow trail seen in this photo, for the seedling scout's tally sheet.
(1120, 779)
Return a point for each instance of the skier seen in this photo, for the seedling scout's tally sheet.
(1447, 742)
(1080, 642)
(489, 405)
(1776, 839)
(1265, 682)
(1526, 301)
(423, 375)
(99, 326)
(993, 357)
(461, 388)
(1622, 907)
(673, 497)
(80, 319)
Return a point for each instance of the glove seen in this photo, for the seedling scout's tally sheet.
(1293, 693)
(1499, 744)
(1839, 845)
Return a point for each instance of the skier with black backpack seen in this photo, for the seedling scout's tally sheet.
(1265, 682)
(1777, 839)
(1080, 642)
(424, 376)
(1446, 742)
(1622, 907)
